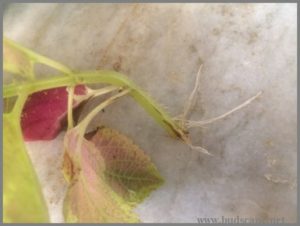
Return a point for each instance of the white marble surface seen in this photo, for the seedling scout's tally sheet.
(244, 47)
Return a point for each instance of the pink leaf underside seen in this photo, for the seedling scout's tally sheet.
(44, 112)
(107, 163)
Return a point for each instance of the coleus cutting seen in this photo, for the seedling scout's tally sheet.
(108, 175)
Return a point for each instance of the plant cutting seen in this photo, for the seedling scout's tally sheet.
(108, 175)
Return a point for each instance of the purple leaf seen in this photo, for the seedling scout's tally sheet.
(45, 111)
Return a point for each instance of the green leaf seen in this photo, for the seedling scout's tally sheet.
(22, 197)
(108, 176)
(127, 169)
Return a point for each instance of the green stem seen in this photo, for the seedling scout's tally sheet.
(38, 57)
(86, 121)
(106, 77)
(70, 106)
(18, 107)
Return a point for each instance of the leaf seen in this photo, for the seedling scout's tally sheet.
(127, 169)
(22, 197)
(44, 112)
(89, 198)
(108, 176)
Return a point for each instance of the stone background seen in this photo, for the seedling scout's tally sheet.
(245, 48)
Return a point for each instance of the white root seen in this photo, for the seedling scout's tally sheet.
(190, 104)
(199, 149)
(200, 123)
(186, 124)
